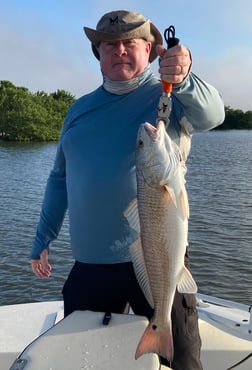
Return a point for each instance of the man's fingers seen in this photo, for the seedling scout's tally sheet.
(41, 268)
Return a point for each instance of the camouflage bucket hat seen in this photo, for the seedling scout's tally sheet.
(123, 25)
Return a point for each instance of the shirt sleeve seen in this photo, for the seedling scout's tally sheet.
(53, 208)
(202, 104)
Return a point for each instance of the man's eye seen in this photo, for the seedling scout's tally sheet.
(129, 42)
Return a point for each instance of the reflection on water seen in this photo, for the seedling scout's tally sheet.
(219, 184)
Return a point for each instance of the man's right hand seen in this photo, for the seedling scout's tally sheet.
(41, 268)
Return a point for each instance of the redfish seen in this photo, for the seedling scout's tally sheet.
(160, 215)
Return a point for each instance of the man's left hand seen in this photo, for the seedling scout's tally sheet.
(174, 64)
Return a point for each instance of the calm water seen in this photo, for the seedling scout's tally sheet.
(219, 183)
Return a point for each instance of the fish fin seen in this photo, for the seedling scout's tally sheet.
(184, 203)
(131, 214)
(137, 257)
(186, 283)
(155, 341)
(171, 194)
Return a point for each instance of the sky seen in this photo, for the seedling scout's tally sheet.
(43, 46)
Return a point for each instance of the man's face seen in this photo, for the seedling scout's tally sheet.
(122, 60)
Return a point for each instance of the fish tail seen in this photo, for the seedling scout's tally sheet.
(155, 341)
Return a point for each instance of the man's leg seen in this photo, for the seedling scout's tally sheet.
(186, 338)
(95, 287)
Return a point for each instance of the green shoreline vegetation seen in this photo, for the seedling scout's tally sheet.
(26, 116)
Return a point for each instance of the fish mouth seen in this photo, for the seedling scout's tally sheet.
(151, 131)
(154, 132)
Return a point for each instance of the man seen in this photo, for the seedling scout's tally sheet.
(94, 171)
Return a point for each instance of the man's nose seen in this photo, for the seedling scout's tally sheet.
(119, 48)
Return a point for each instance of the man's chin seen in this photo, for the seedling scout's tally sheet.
(122, 73)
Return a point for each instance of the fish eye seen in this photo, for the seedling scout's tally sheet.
(140, 143)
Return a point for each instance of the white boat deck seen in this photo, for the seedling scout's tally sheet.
(22, 323)
(225, 331)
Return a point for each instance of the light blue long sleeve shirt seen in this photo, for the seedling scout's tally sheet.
(94, 170)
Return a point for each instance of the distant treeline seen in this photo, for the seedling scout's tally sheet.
(26, 116)
(236, 119)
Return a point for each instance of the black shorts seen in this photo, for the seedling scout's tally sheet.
(108, 288)
(103, 288)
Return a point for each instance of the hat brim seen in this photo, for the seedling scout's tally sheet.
(147, 31)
